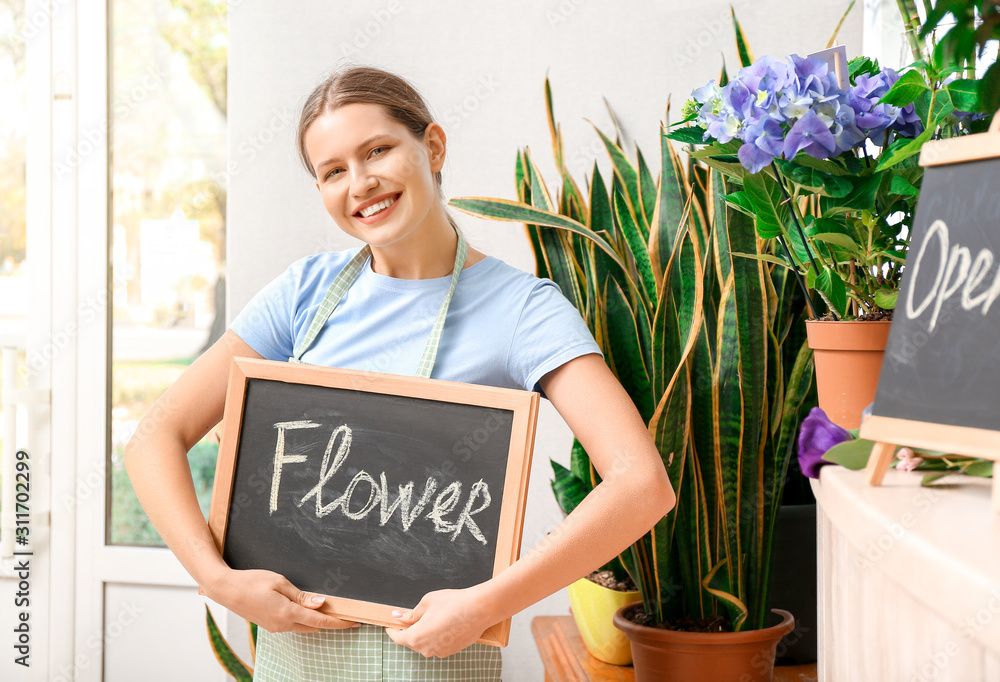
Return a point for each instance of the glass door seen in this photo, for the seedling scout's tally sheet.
(151, 245)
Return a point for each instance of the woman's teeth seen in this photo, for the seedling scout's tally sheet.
(375, 208)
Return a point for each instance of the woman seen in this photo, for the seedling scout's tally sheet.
(375, 153)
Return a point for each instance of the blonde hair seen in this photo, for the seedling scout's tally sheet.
(365, 85)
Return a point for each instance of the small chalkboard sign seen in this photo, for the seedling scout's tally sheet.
(938, 388)
(372, 489)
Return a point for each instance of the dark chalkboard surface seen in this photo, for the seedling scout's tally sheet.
(373, 489)
(938, 387)
(941, 362)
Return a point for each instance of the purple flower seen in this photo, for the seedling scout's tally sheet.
(767, 74)
(763, 141)
(738, 99)
(875, 118)
(780, 107)
(839, 117)
(817, 435)
(811, 135)
(814, 76)
(753, 157)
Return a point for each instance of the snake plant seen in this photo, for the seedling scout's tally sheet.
(708, 344)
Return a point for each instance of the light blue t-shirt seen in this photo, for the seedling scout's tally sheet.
(504, 328)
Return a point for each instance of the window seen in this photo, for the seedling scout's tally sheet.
(13, 179)
(167, 173)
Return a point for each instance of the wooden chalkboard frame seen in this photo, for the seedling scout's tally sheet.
(523, 404)
(888, 432)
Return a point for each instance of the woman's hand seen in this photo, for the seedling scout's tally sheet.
(444, 622)
(272, 602)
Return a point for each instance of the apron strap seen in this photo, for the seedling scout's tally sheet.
(346, 277)
(426, 365)
(341, 283)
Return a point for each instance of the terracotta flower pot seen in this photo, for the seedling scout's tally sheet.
(700, 656)
(848, 359)
(594, 607)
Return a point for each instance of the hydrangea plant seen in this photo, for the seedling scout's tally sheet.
(827, 163)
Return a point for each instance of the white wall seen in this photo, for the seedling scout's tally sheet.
(482, 67)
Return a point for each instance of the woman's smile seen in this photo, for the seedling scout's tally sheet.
(376, 209)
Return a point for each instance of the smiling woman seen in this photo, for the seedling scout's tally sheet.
(415, 299)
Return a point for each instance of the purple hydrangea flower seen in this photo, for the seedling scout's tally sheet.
(817, 435)
(781, 107)
(764, 141)
(811, 135)
(876, 119)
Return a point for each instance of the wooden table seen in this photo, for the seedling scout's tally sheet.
(565, 656)
(566, 659)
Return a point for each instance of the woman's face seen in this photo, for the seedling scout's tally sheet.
(375, 177)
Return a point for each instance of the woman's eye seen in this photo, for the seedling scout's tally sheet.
(379, 151)
(334, 172)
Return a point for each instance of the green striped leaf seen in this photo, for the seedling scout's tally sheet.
(742, 46)
(224, 653)
(505, 209)
(647, 192)
(626, 223)
(569, 490)
(625, 348)
(671, 207)
(624, 172)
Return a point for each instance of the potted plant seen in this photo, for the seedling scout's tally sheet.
(710, 348)
(826, 164)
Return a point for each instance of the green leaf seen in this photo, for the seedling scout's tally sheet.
(964, 94)
(851, 454)
(862, 65)
(671, 206)
(989, 89)
(647, 191)
(735, 607)
(625, 172)
(840, 24)
(624, 347)
(895, 154)
(837, 239)
(930, 478)
(740, 201)
(981, 468)
(567, 488)
(885, 299)
(766, 257)
(505, 209)
(742, 47)
(688, 135)
(579, 464)
(224, 653)
(765, 196)
(906, 90)
(636, 241)
(900, 185)
(832, 288)
(813, 179)
(828, 166)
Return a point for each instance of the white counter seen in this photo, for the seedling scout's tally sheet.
(909, 579)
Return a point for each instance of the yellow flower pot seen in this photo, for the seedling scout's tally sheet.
(593, 608)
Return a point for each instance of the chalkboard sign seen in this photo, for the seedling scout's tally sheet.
(372, 489)
(939, 379)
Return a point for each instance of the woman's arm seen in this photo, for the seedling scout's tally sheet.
(633, 495)
(157, 465)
